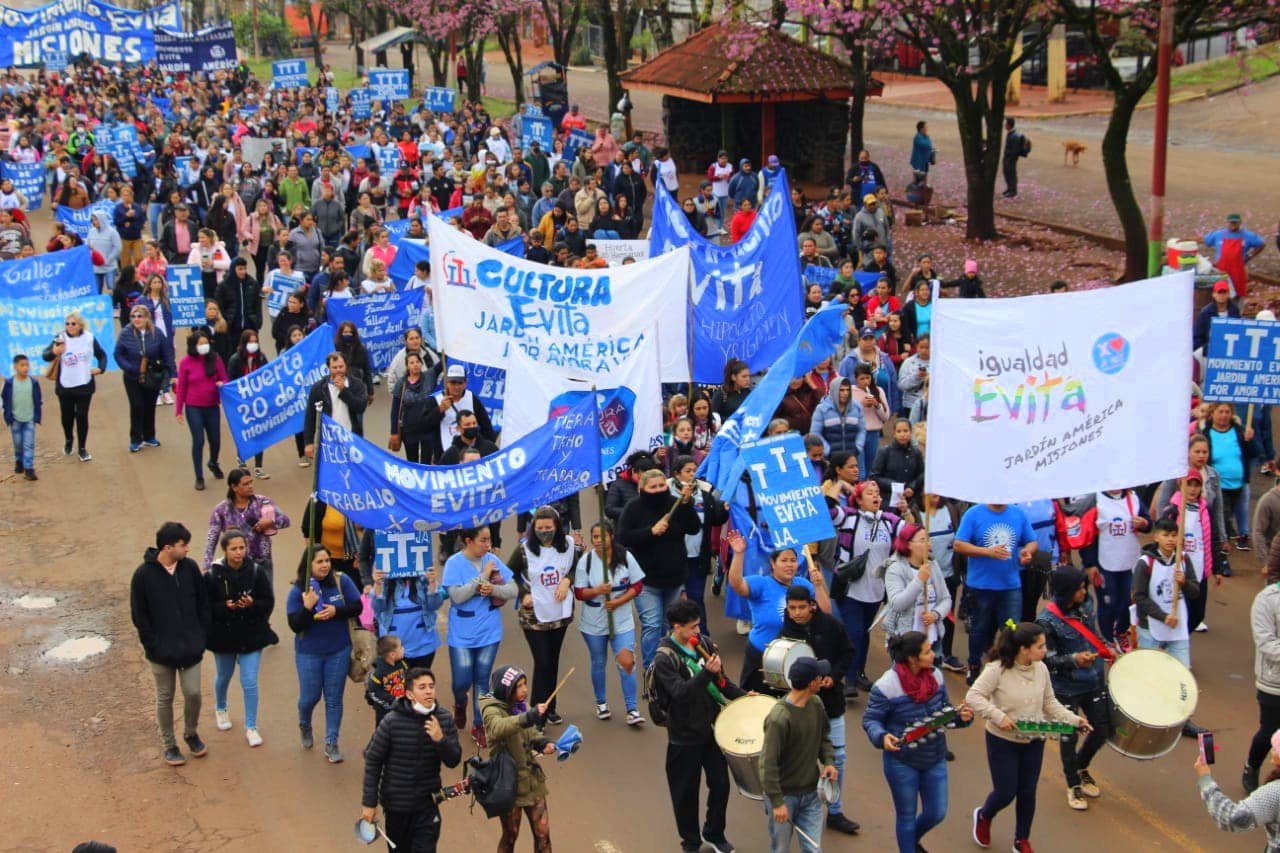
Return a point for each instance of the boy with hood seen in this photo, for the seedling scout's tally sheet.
(840, 421)
(1075, 661)
(514, 728)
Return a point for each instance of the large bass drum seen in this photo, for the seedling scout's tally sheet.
(1152, 697)
(777, 659)
(740, 736)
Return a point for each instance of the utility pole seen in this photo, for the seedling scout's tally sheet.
(1164, 59)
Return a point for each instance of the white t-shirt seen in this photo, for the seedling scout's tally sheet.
(667, 174)
(720, 181)
(544, 571)
(341, 413)
(594, 619)
(1118, 544)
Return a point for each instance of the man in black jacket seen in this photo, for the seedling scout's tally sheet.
(624, 488)
(402, 764)
(341, 397)
(169, 603)
(653, 528)
(692, 692)
(826, 635)
(240, 300)
(469, 437)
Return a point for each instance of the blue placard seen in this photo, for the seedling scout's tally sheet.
(269, 404)
(792, 510)
(576, 139)
(814, 274)
(389, 85)
(121, 142)
(1242, 362)
(289, 74)
(536, 129)
(281, 287)
(67, 27)
(163, 104)
(66, 274)
(439, 99)
(532, 109)
(361, 103)
(28, 179)
(389, 159)
(78, 220)
(56, 60)
(402, 554)
(186, 295)
(331, 99)
(211, 49)
(27, 326)
(382, 320)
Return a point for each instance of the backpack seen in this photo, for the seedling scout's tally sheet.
(1026, 146)
(658, 705)
(493, 783)
(1076, 531)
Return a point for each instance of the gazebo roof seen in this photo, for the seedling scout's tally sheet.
(736, 62)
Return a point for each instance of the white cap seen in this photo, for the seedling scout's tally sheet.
(1266, 314)
(456, 371)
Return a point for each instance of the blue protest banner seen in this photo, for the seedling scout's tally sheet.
(866, 280)
(384, 492)
(389, 159)
(27, 326)
(360, 151)
(724, 465)
(331, 98)
(268, 405)
(402, 554)
(281, 286)
(792, 510)
(68, 27)
(382, 320)
(487, 383)
(1242, 362)
(361, 103)
(397, 228)
(289, 74)
(576, 139)
(186, 295)
(439, 99)
(746, 297)
(814, 274)
(28, 179)
(389, 84)
(164, 105)
(408, 253)
(67, 274)
(78, 220)
(536, 129)
(210, 49)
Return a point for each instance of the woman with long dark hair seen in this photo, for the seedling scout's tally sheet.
(606, 579)
(247, 358)
(410, 402)
(737, 385)
(200, 375)
(406, 607)
(346, 340)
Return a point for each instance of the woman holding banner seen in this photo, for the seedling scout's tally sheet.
(410, 402)
(145, 357)
(73, 353)
(247, 358)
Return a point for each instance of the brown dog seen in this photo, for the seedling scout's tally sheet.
(1072, 149)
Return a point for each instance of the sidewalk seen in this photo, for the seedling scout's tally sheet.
(909, 91)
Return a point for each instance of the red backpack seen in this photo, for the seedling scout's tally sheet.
(1076, 531)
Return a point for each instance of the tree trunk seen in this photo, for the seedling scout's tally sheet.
(315, 16)
(473, 55)
(858, 103)
(615, 57)
(559, 32)
(1116, 166)
(438, 53)
(979, 191)
(508, 33)
(659, 20)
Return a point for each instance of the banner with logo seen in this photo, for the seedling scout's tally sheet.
(1242, 362)
(389, 159)
(361, 103)
(29, 37)
(382, 320)
(576, 139)
(121, 142)
(536, 129)
(210, 49)
(28, 179)
(65, 274)
(331, 98)
(389, 84)
(78, 219)
(27, 326)
(1059, 394)
(281, 287)
(289, 74)
(377, 490)
(269, 404)
(585, 320)
(628, 399)
(792, 510)
(186, 294)
(410, 252)
(747, 297)
(402, 554)
(439, 99)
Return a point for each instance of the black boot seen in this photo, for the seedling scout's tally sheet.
(1249, 779)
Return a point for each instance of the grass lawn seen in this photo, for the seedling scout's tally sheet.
(1223, 73)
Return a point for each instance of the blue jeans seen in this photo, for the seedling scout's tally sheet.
(204, 421)
(470, 669)
(598, 645)
(24, 443)
(1242, 505)
(1113, 603)
(652, 603)
(858, 616)
(838, 744)
(106, 281)
(869, 448)
(908, 785)
(988, 610)
(806, 813)
(154, 209)
(225, 667)
(322, 675)
(1180, 649)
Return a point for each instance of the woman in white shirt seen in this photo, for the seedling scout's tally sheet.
(378, 280)
(606, 579)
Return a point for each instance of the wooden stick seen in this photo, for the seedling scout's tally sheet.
(1248, 418)
(1177, 548)
(547, 701)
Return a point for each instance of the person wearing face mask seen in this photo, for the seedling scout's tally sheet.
(402, 764)
(247, 358)
(711, 512)
(543, 567)
(444, 419)
(144, 354)
(200, 375)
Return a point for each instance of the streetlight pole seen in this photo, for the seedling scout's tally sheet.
(1164, 59)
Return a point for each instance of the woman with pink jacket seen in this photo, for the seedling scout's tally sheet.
(200, 375)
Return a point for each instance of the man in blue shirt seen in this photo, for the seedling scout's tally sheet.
(998, 540)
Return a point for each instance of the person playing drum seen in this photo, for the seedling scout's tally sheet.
(691, 690)
(765, 595)
(1162, 623)
(825, 634)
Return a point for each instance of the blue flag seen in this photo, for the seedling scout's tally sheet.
(66, 274)
(186, 294)
(747, 297)
(724, 465)
(382, 320)
(28, 179)
(866, 280)
(791, 510)
(358, 151)
(269, 405)
(377, 490)
(78, 220)
(814, 274)
(27, 326)
(409, 252)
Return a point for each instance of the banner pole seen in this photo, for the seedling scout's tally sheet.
(1177, 548)
(315, 484)
(604, 566)
(1248, 418)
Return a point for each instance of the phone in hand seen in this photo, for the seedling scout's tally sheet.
(1206, 747)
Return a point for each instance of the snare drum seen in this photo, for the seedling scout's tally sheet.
(740, 736)
(1152, 697)
(777, 659)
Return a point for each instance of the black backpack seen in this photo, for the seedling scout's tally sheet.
(657, 704)
(493, 783)
(1026, 146)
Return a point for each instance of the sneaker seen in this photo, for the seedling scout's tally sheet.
(304, 462)
(634, 718)
(200, 484)
(954, 664)
(332, 754)
(308, 737)
(224, 720)
(17, 468)
(603, 712)
(743, 627)
(478, 735)
(1089, 786)
(840, 823)
(553, 719)
(850, 692)
(253, 737)
(863, 682)
(66, 449)
(134, 447)
(1022, 845)
(1242, 543)
(84, 455)
(1201, 628)
(1075, 799)
(460, 716)
(174, 757)
(30, 475)
(168, 398)
(981, 829)
(720, 845)
(197, 747)
(217, 472)
(261, 474)
(151, 442)
(1124, 643)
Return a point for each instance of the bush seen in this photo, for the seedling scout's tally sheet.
(581, 54)
(273, 35)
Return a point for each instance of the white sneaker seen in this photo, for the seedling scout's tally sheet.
(304, 462)
(1202, 627)
(261, 474)
(634, 718)
(253, 737)
(603, 712)
(224, 720)
(744, 627)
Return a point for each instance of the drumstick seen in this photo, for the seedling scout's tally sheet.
(706, 656)
(805, 836)
(547, 701)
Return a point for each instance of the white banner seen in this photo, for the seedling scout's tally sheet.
(615, 252)
(1056, 395)
(629, 402)
(582, 320)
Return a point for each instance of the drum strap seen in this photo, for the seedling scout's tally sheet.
(1101, 647)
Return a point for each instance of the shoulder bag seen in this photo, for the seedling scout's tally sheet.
(393, 440)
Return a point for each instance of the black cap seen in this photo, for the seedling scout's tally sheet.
(804, 670)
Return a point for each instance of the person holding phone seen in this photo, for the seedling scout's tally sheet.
(1260, 808)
